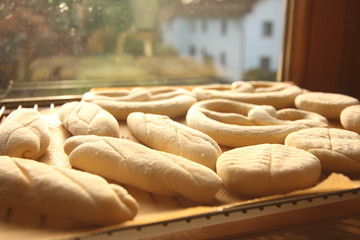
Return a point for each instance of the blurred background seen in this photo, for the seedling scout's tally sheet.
(66, 47)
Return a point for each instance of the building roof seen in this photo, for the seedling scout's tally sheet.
(208, 8)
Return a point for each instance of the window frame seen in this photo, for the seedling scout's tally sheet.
(321, 46)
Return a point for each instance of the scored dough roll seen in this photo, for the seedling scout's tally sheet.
(162, 133)
(337, 149)
(24, 133)
(46, 193)
(267, 169)
(83, 118)
(137, 165)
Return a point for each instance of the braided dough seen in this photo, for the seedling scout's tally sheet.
(82, 118)
(236, 124)
(139, 166)
(51, 195)
(277, 94)
(337, 149)
(162, 100)
(24, 133)
(350, 118)
(267, 169)
(329, 105)
(161, 133)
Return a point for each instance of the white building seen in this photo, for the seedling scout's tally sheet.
(236, 35)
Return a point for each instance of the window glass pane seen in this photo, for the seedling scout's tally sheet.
(60, 47)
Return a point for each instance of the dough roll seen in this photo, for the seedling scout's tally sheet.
(142, 167)
(83, 118)
(31, 188)
(24, 133)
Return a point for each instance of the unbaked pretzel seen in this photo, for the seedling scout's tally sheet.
(277, 94)
(117, 95)
(173, 102)
(158, 93)
(262, 86)
(235, 124)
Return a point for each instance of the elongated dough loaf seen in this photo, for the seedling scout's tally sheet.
(24, 133)
(337, 149)
(83, 118)
(267, 169)
(36, 189)
(162, 133)
(137, 165)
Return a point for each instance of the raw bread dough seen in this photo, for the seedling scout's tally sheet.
(24, 133)
(162, 133)
(83, 118)
(328, 105)
(49, 195)
(337, 149)
(142, 167)
(117, 95)
(235, 124)
(350, 118)
(277, 94)
(174, 106)
(267, 169)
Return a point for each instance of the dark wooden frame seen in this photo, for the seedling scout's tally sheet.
(322, 45)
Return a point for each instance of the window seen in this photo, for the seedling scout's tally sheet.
(192, 25)
(204, 25)
(265, 63)
(267, 30)
(66, 47)
(204, 55)
(223, 26)
(192, 51)
(223, 58)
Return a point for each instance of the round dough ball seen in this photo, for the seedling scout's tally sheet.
(267, 169)
(337, 149)
(350, 118)
(329, 105)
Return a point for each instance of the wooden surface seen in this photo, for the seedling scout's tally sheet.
(339, 220)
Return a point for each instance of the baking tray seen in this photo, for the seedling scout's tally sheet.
(160, 216)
